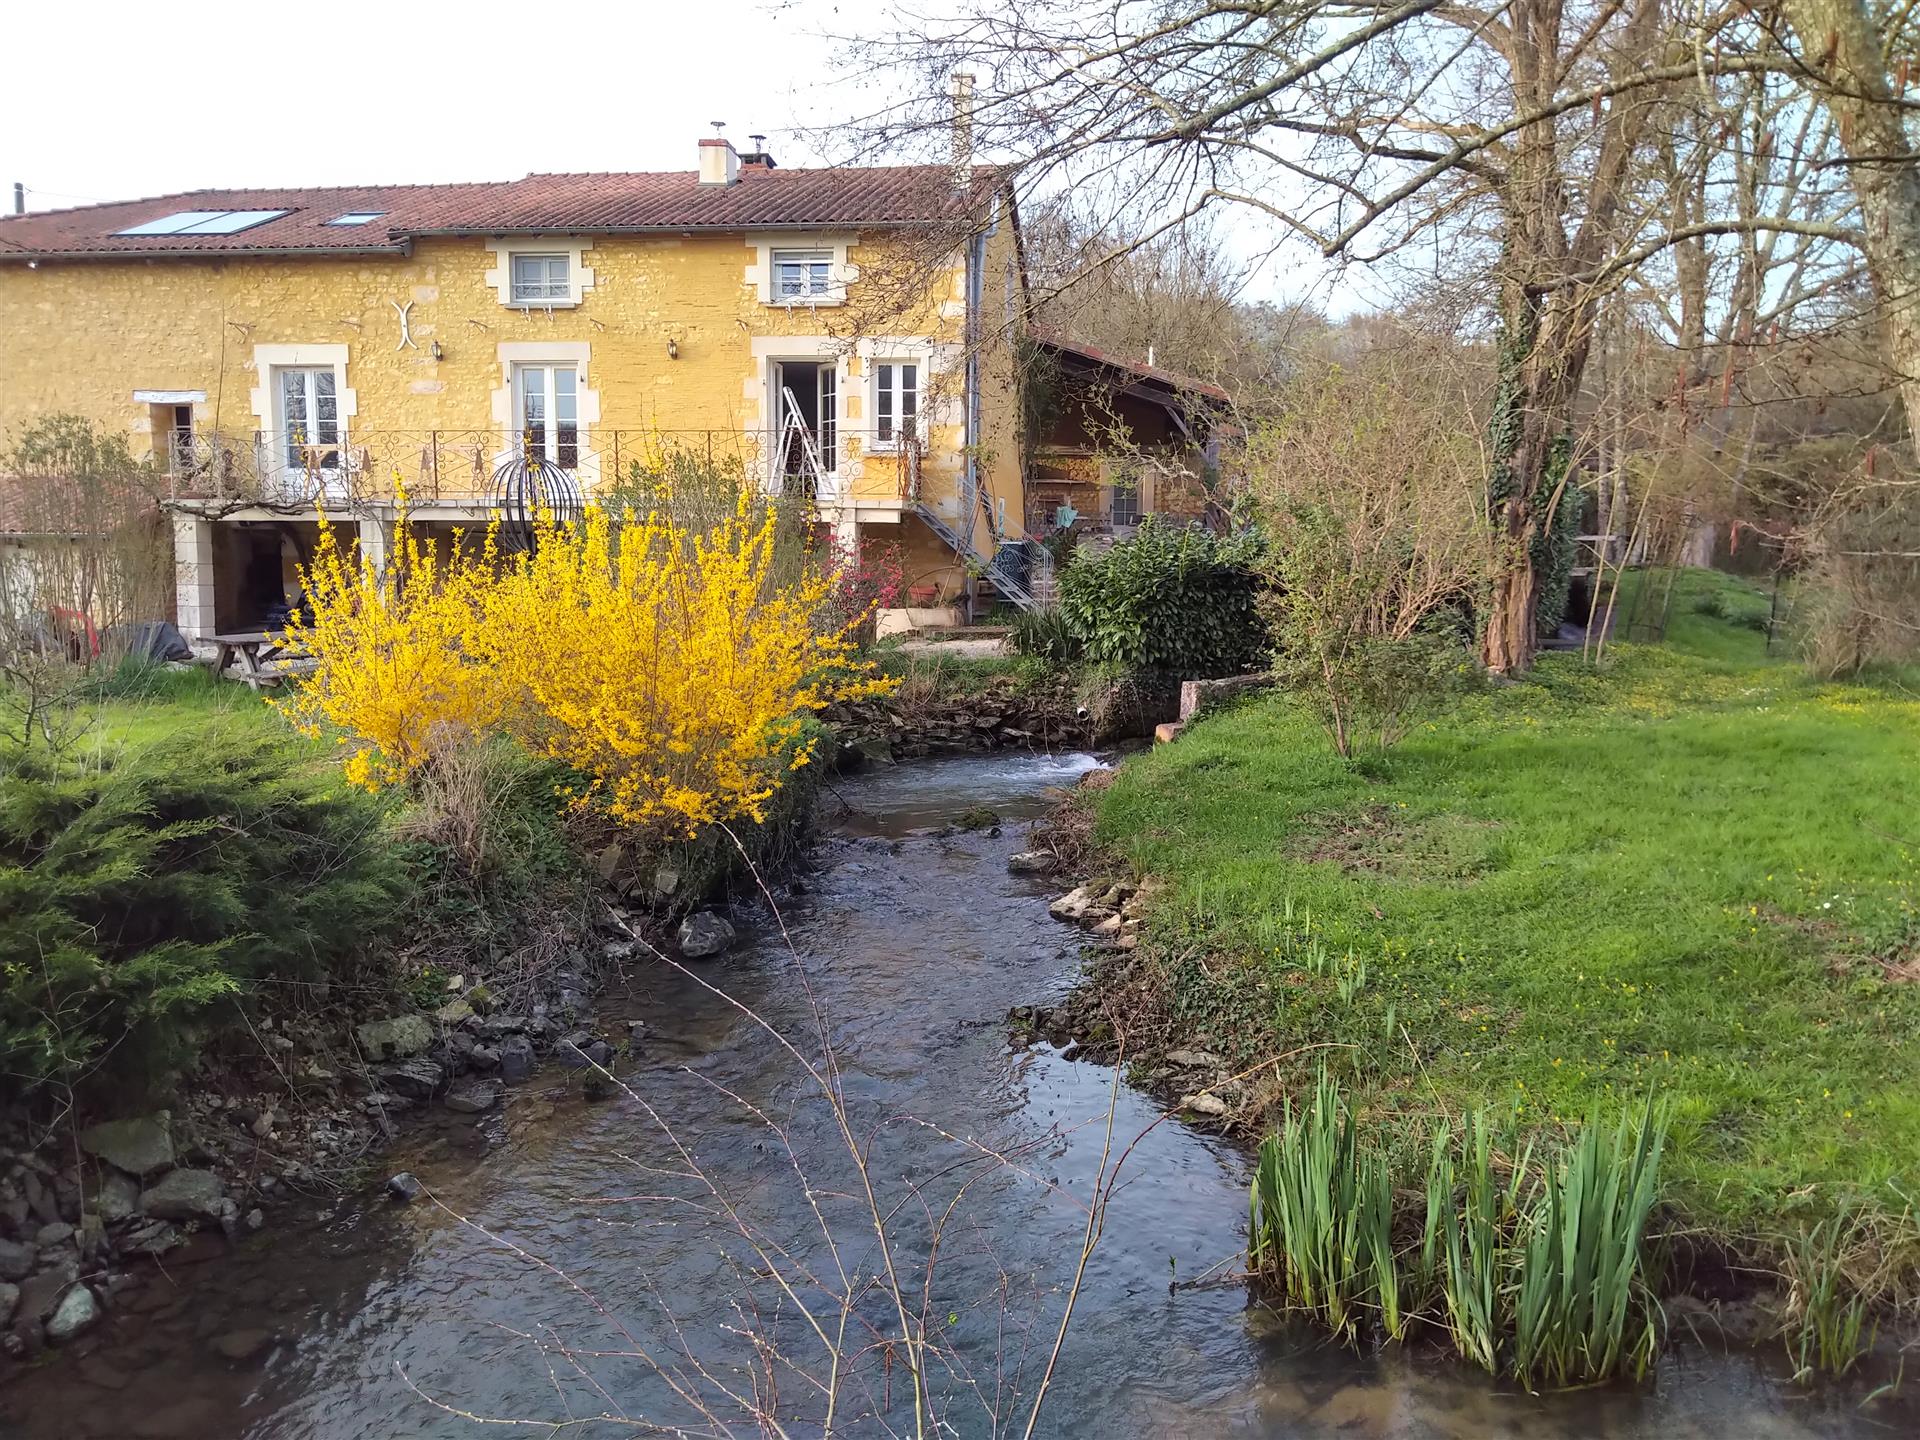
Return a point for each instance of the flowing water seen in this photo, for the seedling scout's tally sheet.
(574, 1264)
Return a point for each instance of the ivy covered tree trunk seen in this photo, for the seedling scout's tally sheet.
(1542, 353)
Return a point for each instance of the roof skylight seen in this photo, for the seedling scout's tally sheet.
(203, 222)
(357, 217)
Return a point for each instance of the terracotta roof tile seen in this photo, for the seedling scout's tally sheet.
(589, 204)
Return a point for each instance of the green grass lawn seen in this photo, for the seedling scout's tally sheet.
(1687, 873)
(140, 704)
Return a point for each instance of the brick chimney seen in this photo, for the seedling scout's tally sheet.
(759, 157)
(719, 165)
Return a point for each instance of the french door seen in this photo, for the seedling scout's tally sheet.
(546, 398)
(827, 402)
(310, 418)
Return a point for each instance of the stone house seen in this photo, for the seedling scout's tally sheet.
(846, 335)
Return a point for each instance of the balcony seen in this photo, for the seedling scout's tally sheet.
(367, 470)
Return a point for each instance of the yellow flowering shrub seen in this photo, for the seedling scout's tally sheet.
(670, 668)
(393, 679)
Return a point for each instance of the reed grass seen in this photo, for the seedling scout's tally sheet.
(1533, 1269)
(1826, 1322)
(1322, 1217)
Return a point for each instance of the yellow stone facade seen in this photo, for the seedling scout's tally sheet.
(671, 336)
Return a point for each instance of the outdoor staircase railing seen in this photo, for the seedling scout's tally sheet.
(1020, 570)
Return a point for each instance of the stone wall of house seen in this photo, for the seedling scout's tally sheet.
(84, 336)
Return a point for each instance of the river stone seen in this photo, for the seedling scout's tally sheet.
(516, 1058)
(1204, 1104)
(48, 1236)
(395, 1039)
(77, 1311)
(417, 1078)
(141, 1146)
(154, 1237)
(704, 934)
(16, 1261)
(581, 1049)
(40, 1199)
(454, 1012)
(1073, 904)
(471, 1097)
(1030, 862)
(185, 1195)
(405, 1188)
(1195, 1060)
(119, 1197)
(241, 1347)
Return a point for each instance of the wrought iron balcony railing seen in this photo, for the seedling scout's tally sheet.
(344, 468)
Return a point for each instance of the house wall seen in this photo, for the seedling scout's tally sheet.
(84, 336)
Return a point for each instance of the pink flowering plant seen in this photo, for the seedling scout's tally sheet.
(868, 576)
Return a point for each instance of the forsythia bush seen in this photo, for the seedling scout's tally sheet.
(669, 669)
(395, 678)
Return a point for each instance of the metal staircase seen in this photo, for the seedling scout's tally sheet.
(1020, 570)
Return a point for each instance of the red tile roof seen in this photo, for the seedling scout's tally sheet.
(579, 204)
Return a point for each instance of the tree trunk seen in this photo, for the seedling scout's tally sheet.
(1839, 41)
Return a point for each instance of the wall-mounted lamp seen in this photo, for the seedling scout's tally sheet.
(673, 348)
(435, 350)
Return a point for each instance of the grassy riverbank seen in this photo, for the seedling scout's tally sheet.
(1696, 873)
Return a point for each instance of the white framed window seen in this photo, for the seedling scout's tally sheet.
(811, 268)
(1126, 502)
(545, 272)
(802, 274)
(896, 401)
(308, 398)
(541, 277)
(546, 407)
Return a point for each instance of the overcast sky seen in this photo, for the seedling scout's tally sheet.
(108, 100)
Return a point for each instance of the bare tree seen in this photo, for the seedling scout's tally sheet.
(1857, 57)
(1536, 144)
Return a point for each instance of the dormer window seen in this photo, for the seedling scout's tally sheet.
(538, 279)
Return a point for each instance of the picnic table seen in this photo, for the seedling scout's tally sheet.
(253, 649)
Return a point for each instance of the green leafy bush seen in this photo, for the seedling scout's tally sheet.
(1173, 598)
(138, 896)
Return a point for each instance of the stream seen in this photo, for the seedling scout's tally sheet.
(572, 1264)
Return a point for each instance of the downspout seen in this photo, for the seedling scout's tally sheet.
(976, 270)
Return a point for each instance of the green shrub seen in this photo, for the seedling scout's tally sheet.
(139, 896)
(1173, 598)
